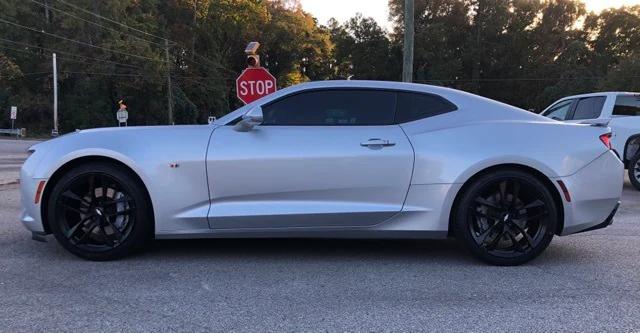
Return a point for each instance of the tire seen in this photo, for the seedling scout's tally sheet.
(506, 207)
(98, 224)
(634, 171)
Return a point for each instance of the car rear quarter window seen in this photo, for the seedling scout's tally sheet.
(627, 106)
(414, 106)
(559, 111)
(334, 107)
(589, 108)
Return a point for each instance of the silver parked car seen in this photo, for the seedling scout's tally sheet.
(348, 159)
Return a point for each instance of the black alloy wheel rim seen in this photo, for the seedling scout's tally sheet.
(508, 217)
(96, 212)
(636, 170)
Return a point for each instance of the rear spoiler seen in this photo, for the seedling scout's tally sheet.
(597, 122)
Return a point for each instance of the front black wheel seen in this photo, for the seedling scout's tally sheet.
(99, 211)
(506, 217)
(634, 171)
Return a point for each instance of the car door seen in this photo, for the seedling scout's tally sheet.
(320, 158)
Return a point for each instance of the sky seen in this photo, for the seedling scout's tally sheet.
(342, 10)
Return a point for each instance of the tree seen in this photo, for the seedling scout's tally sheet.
(362, 50)
(623, 76)
(523, 52)
(614, 36)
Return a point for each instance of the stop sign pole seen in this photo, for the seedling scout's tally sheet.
(255, 81)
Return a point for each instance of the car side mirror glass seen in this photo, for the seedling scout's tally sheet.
(249, 120)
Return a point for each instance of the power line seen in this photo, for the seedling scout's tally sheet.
(521, 79)
(110, 20)
(23, 51)
(67, 59)
(189, 78)
(104, 74)
(69, 54)
(78, 42)
(129, 27)
(91, 22)
(39, 54)
(119, 32)
(209, 61)
(84, 73)
(35, 73)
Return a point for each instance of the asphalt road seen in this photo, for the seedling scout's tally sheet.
(12, 154)
(586, 282)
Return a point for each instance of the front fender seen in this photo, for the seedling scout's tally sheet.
(169, 160)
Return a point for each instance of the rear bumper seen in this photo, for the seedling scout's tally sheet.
(595, 194)
(606, 222)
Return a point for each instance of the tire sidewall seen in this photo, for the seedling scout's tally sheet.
(631, 170)
(141, 229)
(470, 193)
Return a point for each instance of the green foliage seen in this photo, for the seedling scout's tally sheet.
(623, 76)
(206, 41)
(362, 50)
(523, 52)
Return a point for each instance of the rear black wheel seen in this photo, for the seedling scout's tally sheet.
(634, 171)
(99, 211)
(506, 217)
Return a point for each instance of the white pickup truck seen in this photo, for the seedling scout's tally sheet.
(618, 110)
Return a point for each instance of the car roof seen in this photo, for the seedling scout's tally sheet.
(602, 93)
(394, 85)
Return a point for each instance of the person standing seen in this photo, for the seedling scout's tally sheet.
(122, 114)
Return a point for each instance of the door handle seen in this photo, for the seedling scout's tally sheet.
(373, 143)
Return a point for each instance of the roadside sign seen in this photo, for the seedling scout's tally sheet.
(14, 112)
(254, 83)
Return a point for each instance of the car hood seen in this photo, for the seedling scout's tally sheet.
(129, 132)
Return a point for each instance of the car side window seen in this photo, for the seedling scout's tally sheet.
(333, 107)
(559, 111)
(414, 106)
(589, 108)
(627, 106)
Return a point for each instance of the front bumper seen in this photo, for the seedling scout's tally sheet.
(30, 214)
(595, 194)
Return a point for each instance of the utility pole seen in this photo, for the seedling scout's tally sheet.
(46, 11)
(477, 59)
(169, 92)
(407, 59)
(195, 26)
(54, 132)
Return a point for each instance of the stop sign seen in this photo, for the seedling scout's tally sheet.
(254, 83)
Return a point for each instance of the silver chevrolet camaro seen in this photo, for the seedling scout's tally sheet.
(347, 159)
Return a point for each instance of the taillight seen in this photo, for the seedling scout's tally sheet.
(606, 139)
